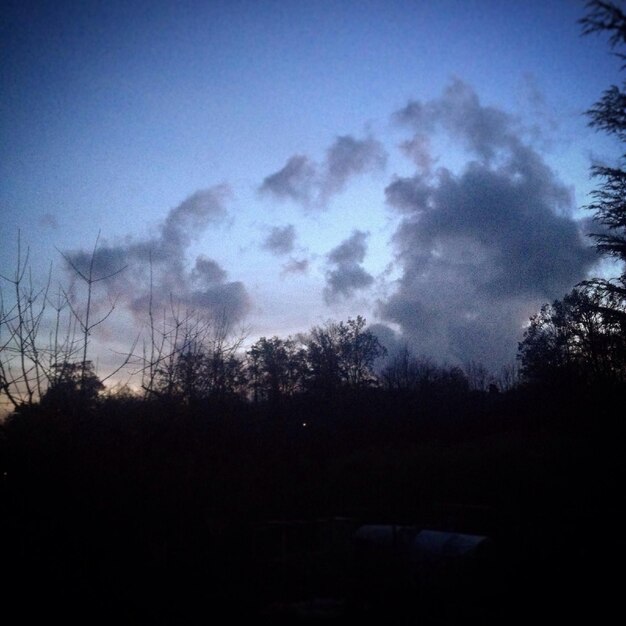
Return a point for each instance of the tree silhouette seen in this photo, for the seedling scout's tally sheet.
(194, 358)
(359, 349)
(342, 355)
(38, 333)
(406, 373)
(88, 275)
(609, 115)
(75, 385)
(276, 368)
(573, 340)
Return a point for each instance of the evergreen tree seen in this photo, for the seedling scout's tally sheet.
(609, 199)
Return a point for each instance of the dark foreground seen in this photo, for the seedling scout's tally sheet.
(163, 520)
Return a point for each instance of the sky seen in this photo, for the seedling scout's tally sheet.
(422, 164)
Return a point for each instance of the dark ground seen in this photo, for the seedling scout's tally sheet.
(133, 515)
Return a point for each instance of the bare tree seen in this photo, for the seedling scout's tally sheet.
(42, 334)
(24, 361)
(478, 376)
(406, 372)
(85, 318)
(190, 356)
(509, 377)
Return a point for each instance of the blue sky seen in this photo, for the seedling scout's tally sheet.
(418, 163)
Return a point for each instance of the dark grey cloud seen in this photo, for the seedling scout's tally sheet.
(482, 248)
(296, 181)
(281, 240)
(346, 275)
(158, 263)
(312, 185)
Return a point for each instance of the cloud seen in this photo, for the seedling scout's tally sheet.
(405, 194)
(480, 249)
(352, 250)
(345, 280)
(295, 181)
(207, 272)
(459, 112)
(229, 300)
(312, 185)
(155, 269)
(346, 274)
(418, 149)
(281, 240)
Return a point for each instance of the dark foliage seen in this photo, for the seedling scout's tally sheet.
(578, 340)
(73, 386)
(341, 355)
(609, 115)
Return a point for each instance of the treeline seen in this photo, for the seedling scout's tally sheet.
(191, 361)
(329, 358)
(186, 359)
(579, 340)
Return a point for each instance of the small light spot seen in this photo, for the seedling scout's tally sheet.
(303, 424)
